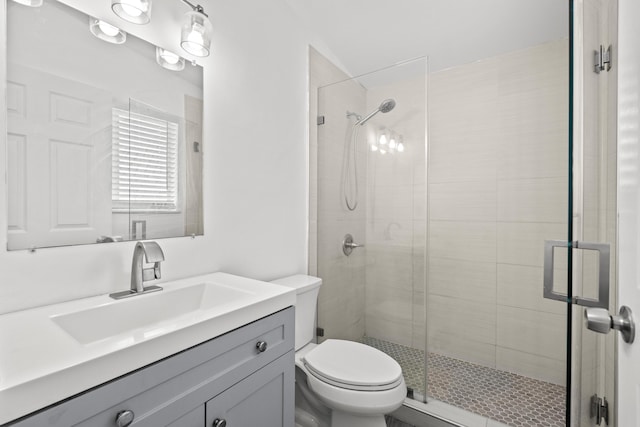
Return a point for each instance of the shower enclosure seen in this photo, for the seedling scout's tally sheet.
(437, 223)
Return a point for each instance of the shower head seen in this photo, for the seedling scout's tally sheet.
(386, 106)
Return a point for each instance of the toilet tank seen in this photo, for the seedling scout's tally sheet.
(307, 288)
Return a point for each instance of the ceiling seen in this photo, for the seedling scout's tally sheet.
(366, 35)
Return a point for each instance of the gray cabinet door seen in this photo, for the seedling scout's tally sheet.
(264, 399)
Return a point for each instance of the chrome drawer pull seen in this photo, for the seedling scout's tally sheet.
(124, 418)
(261, 346)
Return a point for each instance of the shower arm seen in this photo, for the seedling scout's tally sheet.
(371, 114)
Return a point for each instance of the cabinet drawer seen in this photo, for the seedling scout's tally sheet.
(161, 393)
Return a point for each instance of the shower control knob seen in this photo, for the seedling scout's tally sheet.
(348, 245)
(219, 423)
(124, 418)
(261, 346)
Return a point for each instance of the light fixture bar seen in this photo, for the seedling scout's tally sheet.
(195, 7)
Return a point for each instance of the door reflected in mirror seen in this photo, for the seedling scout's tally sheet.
(104, 140)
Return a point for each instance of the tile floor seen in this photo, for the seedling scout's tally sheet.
(512, 399)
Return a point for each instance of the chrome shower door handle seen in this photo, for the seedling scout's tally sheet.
(603, 250)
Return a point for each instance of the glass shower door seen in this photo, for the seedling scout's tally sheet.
(592, 286)
(594, 207)
(370, 210)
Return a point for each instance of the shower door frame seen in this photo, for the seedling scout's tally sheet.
(579, 349)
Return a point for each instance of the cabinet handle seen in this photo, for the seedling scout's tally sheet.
(124, 418)
(219, 423)
(261, 346)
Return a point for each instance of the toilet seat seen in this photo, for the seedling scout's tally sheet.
(353, 366)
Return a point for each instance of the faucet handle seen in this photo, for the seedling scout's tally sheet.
(156, 270)
(152, 252)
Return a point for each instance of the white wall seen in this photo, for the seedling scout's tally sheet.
(255, 189)
(628, 368)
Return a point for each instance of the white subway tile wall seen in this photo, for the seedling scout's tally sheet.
(497, 190)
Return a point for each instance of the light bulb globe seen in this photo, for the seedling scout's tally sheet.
(134, 11)
(196, 34)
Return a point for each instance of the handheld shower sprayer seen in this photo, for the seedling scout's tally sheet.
(385, 106)
(350, 164)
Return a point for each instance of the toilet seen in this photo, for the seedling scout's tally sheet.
(356, 383)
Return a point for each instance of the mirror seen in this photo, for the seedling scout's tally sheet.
(103, 143)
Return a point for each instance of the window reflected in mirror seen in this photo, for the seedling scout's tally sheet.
(104, 139)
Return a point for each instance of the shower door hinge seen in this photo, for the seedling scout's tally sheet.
(320, 120)
(599, 409)
(410, 393)
(602, 59)
(320, 332)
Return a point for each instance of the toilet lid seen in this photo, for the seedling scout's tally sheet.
(353, 365)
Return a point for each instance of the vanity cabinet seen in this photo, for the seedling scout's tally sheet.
(244, 378)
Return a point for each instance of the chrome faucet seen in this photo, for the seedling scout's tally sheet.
(152, 254)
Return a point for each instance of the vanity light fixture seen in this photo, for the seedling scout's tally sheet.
(384, 136)
(30, 3)
(400, 146)
(380, 140)
(107, 32)
(169, 60)
(196, 31)
(392, 142)
(387, 141)
(135, 11)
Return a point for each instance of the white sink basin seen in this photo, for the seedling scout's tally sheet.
(50, 353)
(146, 315)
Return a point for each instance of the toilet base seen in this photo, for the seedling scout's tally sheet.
(343, 419)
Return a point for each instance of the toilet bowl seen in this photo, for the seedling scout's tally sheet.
(357, 383)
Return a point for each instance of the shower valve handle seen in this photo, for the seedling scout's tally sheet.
(348, 245)
(353, 245)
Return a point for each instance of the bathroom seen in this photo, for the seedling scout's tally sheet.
(258, 213)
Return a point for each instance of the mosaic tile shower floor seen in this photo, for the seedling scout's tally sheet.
(502, 396)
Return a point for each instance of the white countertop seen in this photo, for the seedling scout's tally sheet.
(41, 364)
